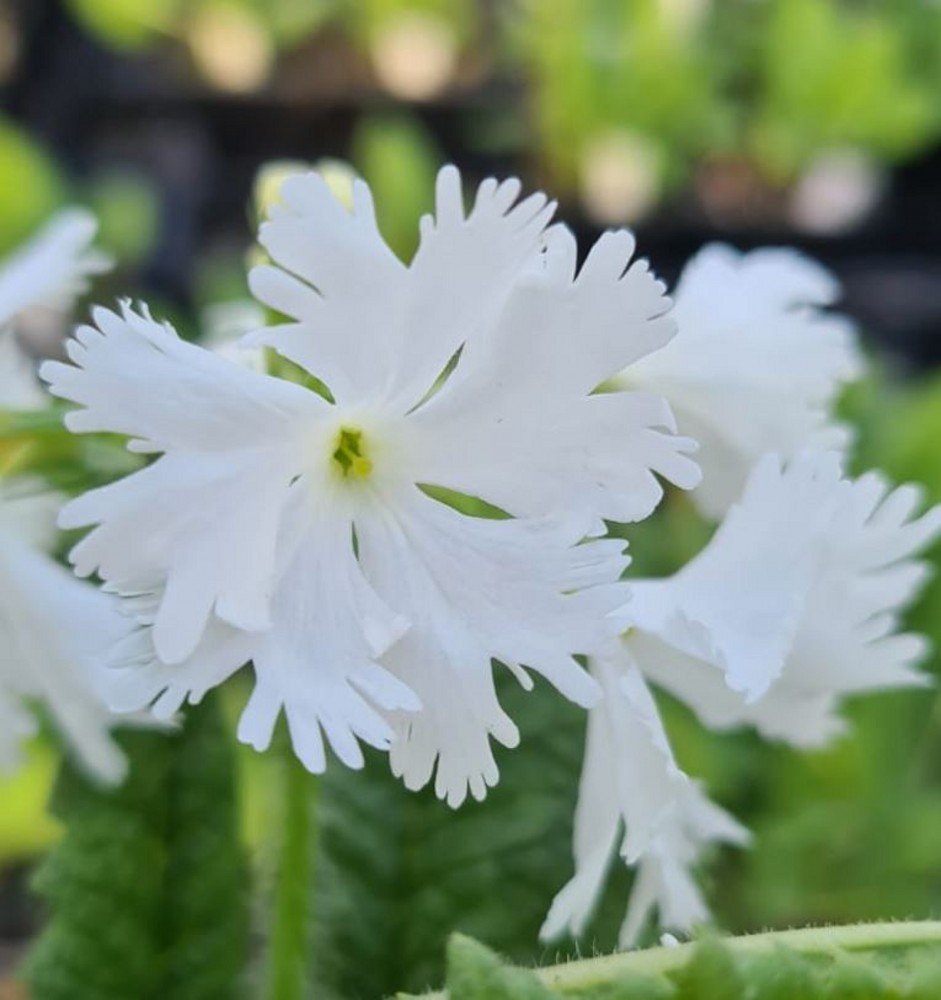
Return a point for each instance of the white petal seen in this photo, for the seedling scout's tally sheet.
(784, 713)
(338, 280)
(225, 324)
(569, 333)
(755, 367)
(205, 522)
(466, 265)
(477, 590)
(316, 662)
(136, 680)
(792, 605)
(629, 776)
(559, 337)
(135, 376)
(867, 578)
(749, 586)
(319, 658)
(664, 876)
(204, 518)
(364, 323)
(51, 629)
(54, 267)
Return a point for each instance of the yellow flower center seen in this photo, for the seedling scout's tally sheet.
(350, 454)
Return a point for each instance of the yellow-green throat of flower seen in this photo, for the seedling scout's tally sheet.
(350, 454)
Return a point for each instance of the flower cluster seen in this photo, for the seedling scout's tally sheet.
(54, 630)
(426, 499)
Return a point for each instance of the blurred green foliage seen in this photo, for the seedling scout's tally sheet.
(31, 187)
(369, 18)
(776, 84)
(126, 207)
(148, 890)
(601, 66)
(404, 194)
(646, 90)
(127, 24)
(834, 75)
(26, 826)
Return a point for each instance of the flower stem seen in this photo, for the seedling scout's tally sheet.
(806, 940)
(289, 941)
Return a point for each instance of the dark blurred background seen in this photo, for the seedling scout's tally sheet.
(802, 121)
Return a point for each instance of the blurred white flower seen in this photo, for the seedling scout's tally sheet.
(224, 324)
(54, 267)
(632, 787)
(49, 272)
(300, 531)
(54, 629)
(794, 604)
(756, 366)
(665, 879)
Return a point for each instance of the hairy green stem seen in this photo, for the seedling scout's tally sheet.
(806, 940)
(289, 941)
(586, 974)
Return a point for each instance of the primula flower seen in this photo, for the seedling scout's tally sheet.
(634, 799)
(794, 604)
(756, 365)
(48, 272)
(308, 534)
(53, 628)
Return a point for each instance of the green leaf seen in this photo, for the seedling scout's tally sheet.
(780, 974)
(397, 871)
(711, 974)
(148, 888)
(857, 979)
(476, 973)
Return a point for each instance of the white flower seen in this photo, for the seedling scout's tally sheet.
(54, 268)
(52, 627)
(226, 323)
(756, 365)
(631, 780)
(665, 880)
(300, 531)
(19, 387)
(795, 602)
(49, 272)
